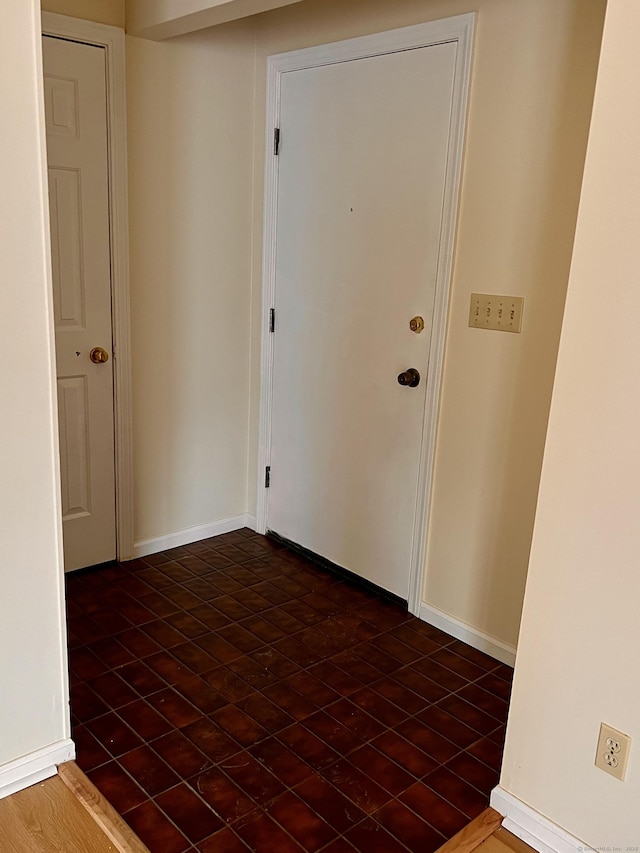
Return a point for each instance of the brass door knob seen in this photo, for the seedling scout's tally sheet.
(99, 355)
(410, 378)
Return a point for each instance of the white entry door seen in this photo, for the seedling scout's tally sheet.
(76, 119)
(362, 167)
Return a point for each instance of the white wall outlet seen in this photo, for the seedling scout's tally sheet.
(500, 313)
(613, 751)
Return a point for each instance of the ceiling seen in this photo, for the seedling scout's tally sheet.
(162, 19)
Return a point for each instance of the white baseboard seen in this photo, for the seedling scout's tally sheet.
(144, 547)
(472, 636)
(35, 767)
(533, 828)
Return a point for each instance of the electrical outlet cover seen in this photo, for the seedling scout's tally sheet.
(612, 753)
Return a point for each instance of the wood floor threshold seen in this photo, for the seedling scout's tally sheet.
(100, 810)
(508, 839)
(473, 835)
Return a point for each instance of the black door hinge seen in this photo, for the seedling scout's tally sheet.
(272, 319)
(276, 141)
(267, 476)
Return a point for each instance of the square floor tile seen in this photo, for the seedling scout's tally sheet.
(155, 830)
(301, 822)
(338, 810)
(117, 786)
(231, 696)
(456, 791)
(144, 720)
(255, 780)
(271, 718)
(225, 797)
(308, 746)
(405, 753)
(175, 708)
(189, 813)
(357, 786)
(380, 768)
(223, 841)
(369, 836)
(114, 734)
(243, 728)
(181, 754)
(263, 835)
(281, 761)
(435, 810)
(150, 772)
(408, 828)
(210, 739)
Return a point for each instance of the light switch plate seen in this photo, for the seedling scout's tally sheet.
(500, 313)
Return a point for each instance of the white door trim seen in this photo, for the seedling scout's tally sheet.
(112, 39)
(457, 29)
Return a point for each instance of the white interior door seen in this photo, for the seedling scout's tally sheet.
(76, 118)
(361, 185)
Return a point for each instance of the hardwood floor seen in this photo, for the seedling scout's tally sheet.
(502, 841)
(485, 835)
(63, 813)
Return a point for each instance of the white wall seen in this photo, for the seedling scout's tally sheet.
(34, 696)
(190, 111)
(531, 95)
(577, 662)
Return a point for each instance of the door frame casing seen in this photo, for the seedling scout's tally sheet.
(112, 40)
(458, 29)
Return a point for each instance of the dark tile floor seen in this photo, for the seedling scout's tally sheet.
(230, 696)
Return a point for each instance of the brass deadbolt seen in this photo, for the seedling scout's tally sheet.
(99, 355)
(416, 325)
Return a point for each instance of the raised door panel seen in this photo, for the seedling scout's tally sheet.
(61, 106)
(74, 447)
(65, 212)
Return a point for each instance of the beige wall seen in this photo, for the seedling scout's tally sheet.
(190, 103)
(190, 123)
(577, 660)
(196, 125)
(196, 232)
(33, 705)
(532, 86)
(102, 11)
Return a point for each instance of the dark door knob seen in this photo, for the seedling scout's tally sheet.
(410, 377)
